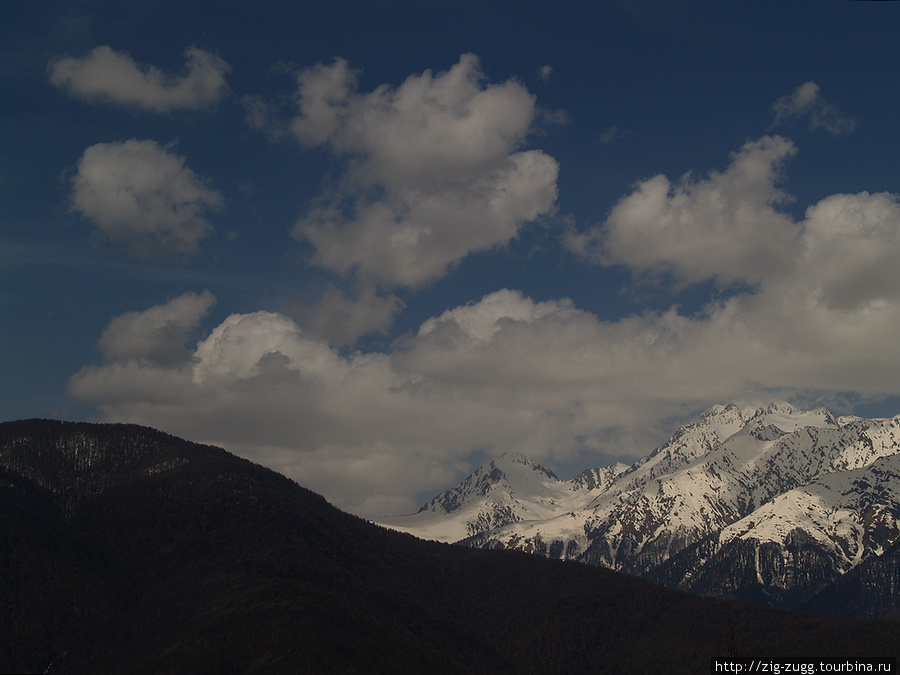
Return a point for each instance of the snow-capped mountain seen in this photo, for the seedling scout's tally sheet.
(510, 489)
(796, 548)
(739, 478)
(851, 513)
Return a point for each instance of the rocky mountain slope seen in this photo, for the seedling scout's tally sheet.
(771, 504)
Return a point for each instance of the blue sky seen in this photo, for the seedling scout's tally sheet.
(370, 244)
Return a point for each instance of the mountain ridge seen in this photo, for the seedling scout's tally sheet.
(722, 471)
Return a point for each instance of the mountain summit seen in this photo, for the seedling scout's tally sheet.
(507, 490)
(819, 495)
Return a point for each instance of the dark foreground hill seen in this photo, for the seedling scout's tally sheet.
(124, 550)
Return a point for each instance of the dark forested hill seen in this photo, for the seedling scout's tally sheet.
(124, 550)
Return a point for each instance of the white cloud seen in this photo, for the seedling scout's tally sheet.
(342, 318)
(157, 334)
(481, 321)
(143, 196)
(851, 245)
(236, 348)
(726, 227)
(115, 77)
(410, 237)
(408, 421)
(806, 101)
(825, 300)
(612, 134)
(372, 430)
(323, 99)
(434, 170)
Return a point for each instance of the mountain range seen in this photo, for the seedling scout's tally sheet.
(771, 504)
(126, 550)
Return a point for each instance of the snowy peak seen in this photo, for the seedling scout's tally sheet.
(724, 421)
(510, 489)
(720, 423)
(787, 419)
(599, 479)
(851, 513)
(508, 474)
(740, 476)
(694, 440)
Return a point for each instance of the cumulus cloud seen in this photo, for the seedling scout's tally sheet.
(434, 170)
(824, 299)
(728, 228)
(725, 227)
(806, 102)
(342, 317)
(372, 431)
(115, 77)
(157, 335)
(850, 248)
(143, 196)
(402, 422)
(323, 99)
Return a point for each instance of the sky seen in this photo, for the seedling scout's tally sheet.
(371, 245)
